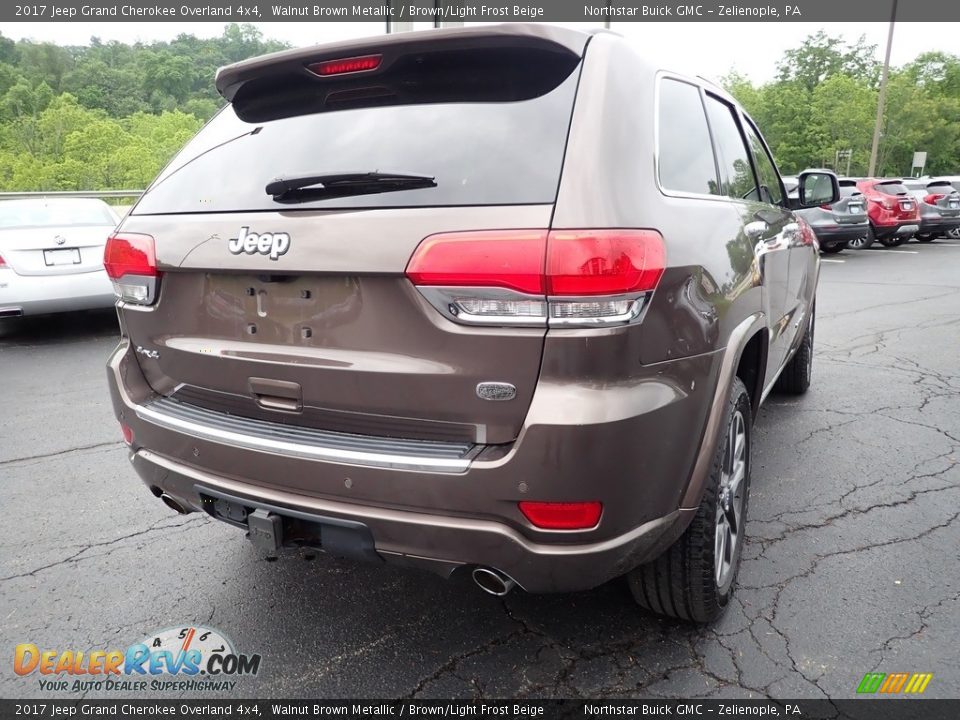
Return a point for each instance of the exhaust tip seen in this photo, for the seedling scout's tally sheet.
(11, 312)
(492, 581)
(173, 504)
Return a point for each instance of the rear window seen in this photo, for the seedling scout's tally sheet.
(849, 191)
(480, 153)
(54, 213)
(893, 188)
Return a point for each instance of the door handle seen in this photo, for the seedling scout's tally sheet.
(755, 229)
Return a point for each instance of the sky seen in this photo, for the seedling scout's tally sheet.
(709, 49)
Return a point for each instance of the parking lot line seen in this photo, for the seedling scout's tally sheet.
(911, 252)
(836, 261)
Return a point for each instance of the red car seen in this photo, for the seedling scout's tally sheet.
(893, 211)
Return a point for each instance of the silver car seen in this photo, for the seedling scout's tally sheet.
(939, 204)
(837, 225)
(51, 256)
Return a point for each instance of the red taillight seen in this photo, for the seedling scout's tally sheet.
(603, 262)
(826, 206)
(344, 66)
(127, 433)
(532, 277)
(932, 198)
(562, 515)
(130, 254)
(130, 260)
(807, 235)
(882, 203)
(504, 259)
(3, 263)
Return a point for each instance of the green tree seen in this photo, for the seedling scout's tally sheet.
(821, 56)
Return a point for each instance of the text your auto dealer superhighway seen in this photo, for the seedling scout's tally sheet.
(150, 11)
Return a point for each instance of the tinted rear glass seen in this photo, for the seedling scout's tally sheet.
(849, 191)
(54, 213)
(481, 153)
(891, 188)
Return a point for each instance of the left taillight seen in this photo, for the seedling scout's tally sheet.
(3, 263)
(933, 198)
(538, 277)
(130, 260)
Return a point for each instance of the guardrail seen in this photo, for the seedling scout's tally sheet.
(71, 194)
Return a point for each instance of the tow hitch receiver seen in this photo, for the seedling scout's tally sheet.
(265, 530)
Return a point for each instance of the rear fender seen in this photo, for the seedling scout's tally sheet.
(739, 338)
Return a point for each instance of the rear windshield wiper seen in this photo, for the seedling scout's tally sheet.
(304, 188)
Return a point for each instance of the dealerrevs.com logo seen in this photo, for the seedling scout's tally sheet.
(179, 659)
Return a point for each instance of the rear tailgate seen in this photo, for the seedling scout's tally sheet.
(299, 311)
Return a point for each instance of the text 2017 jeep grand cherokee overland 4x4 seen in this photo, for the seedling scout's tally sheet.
(502, 299)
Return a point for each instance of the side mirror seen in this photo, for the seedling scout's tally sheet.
(816, 187)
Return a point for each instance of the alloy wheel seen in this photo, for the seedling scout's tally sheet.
(729, 523)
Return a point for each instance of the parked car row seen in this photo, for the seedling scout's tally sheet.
(890, 211)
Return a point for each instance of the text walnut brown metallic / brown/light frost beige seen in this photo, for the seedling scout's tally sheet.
(501, 300)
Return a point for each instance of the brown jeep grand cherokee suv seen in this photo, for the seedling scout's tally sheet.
(499, 299)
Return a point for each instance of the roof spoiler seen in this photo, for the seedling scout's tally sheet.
(289, 64)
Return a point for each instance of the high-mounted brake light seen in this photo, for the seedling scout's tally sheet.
(562, 515)
(536, 277)
(345, 66)
(130, 260)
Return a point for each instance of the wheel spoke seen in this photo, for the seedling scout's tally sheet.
(719, 547)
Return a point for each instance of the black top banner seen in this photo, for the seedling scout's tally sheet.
(441, 11)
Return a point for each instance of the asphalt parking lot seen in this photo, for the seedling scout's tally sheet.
(852, 562)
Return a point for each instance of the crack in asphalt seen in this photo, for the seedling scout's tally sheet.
(76, 557)
(57, 453)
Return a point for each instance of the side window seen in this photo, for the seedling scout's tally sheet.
(686, 156)
(736, 172)
(769, 178)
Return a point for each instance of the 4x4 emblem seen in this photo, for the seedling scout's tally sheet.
(271, 244)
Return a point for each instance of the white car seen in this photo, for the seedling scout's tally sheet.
(51, 255)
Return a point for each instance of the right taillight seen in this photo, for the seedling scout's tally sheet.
(130, 260)
(536, 277)
(3, 263)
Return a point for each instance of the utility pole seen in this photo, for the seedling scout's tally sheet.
(881, 100)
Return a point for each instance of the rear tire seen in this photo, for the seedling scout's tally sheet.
(831, 249)
(795, 378)
(892, 242)
(688, 582)
(864, 242)
(925, 238)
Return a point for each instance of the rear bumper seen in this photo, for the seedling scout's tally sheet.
(434, 542)
(43, 294)
(904, 229)
(840, 234)
(939, 225)
(633, 451)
